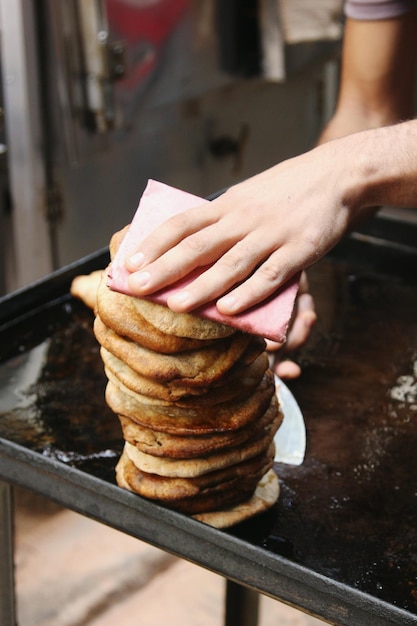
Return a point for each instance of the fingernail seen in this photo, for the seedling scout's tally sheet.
(181, 297)
(136, 260)
(139, 280)
(228, 303)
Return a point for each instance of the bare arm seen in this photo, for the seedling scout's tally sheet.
(376, 88)
(264, 230)
(378, 75)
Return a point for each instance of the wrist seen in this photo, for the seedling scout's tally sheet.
(384, 166)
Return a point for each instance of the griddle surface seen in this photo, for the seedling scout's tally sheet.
(350, 511)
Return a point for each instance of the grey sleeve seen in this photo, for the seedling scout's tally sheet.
(377, 9)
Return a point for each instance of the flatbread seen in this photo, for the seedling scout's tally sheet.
(179, 324)
(195, 367)
(197, 466)
(270, 318)
(196, 402)
(210, 491)
(239, 381)
(176, 446)
(261, 500)
(85, 288)
(174, 420)
(264, 497)
(120, 313)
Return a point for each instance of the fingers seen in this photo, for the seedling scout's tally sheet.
(287, 369)
(304, 288)
(227, 255)
(172, 232)
(258, 237)
(303, 321)
(195, 251)
(267, 278)
(233, 266)
(273, 346)
(236, 274)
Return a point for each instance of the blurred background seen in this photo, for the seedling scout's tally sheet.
(98, 96)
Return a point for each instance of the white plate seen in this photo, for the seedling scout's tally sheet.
(290, 439)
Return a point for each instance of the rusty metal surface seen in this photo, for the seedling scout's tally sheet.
(350, 511)
(348, 515)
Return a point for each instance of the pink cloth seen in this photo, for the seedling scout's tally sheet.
(269, 319)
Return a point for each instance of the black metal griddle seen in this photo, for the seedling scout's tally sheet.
(341, 543)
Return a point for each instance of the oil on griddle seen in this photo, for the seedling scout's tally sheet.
(52, 390)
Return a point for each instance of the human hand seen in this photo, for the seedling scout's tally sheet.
(303, 320)
(254, 237)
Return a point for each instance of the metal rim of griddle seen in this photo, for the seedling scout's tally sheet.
(216, 550)
(197, 542)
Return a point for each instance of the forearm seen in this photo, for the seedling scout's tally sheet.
(262, 231)
(385, 165)
(378, 73)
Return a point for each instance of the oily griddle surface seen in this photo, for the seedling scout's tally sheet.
(52, 390)
(349, 512)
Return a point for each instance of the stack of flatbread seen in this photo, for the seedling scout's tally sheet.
(197, 406)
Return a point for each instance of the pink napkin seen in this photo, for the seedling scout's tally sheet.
(269, 319)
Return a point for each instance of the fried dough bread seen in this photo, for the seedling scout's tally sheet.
(196, 403)
(198, 465)
(120, 313)
(194, 367)
(163, 444)
(178, 324)
(240, 380)
(172, 419)
(263, 498)
(209, 491)
(85, 288)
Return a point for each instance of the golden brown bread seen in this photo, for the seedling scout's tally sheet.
(181, 324)
(196, 402)
(163, 444)
(175, 420)
(178, 324)
(119, 313)
(195, 367)
(85, 288)
(239, 381)
(202, 493)
(263, 498)
(197, 465)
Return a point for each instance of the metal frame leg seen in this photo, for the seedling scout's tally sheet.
(242, 605)
(7, 591)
